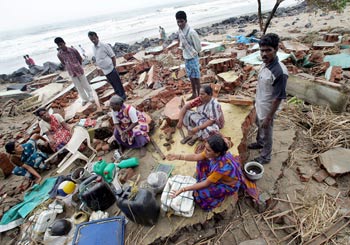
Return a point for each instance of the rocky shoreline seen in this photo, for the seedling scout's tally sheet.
(25, 75)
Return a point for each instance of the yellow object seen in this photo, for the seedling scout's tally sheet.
(67, 186)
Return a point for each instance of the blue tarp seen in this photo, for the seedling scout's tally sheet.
(34, 197)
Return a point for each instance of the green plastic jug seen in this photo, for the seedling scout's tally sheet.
(129, 163)
(99, 167)
(108, 172)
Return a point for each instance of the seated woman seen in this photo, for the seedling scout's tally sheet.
(130, 126)
(207, 120)
(30, 158)
(218, 175)
(55, 128)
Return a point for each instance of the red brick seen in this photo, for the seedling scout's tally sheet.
(320, 175)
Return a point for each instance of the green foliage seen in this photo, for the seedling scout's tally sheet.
(328, 5)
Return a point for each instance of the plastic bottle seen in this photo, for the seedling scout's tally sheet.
(100, 166)
(129, 163)
(108, 172)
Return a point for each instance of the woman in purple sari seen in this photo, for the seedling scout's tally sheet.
(218, 175)
(130, 125)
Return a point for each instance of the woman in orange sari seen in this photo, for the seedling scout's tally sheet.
(218, 175)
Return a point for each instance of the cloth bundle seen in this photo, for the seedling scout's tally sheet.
(183, 204)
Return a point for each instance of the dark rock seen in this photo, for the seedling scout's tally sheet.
(23, 79)
(35, 69)
(4, 77)
(286, 25)
(50, 67)
(20, 72)
(241, 30)
(120, 49)
(308, 25)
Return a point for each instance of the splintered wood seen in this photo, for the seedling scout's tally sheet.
(306, 222)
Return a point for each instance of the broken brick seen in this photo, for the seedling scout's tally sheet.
(320, 175)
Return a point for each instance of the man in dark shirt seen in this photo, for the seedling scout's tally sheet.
(271, 90)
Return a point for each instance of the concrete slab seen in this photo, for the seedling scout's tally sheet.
(218, 61)
(13, 94)
(98, 79)
(229, 77)
(234, 117)
(295, 46)
(336, 161)
(47, 92)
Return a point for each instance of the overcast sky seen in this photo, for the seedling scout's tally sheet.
(18, 14)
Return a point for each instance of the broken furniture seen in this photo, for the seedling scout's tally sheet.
(80, 134)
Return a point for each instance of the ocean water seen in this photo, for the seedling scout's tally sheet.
(126, 27)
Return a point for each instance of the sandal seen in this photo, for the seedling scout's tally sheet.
(186, 139)
(192, 141)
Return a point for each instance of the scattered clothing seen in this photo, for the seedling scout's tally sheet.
(183, 204)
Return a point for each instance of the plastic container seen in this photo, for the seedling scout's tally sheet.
(96, 194)
(129, 163)
(80, 174)
(109, 172)
(157, 181)
(142, 209)
(253, 170)
(100, 166)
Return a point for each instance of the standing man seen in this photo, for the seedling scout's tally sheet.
(271, 90)
(105, 59)
(191, 46)
(72, 62)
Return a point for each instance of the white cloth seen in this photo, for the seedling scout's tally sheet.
(189, 42)
(132, 115)
(183, 204)
(104, 54)
(45, 126)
